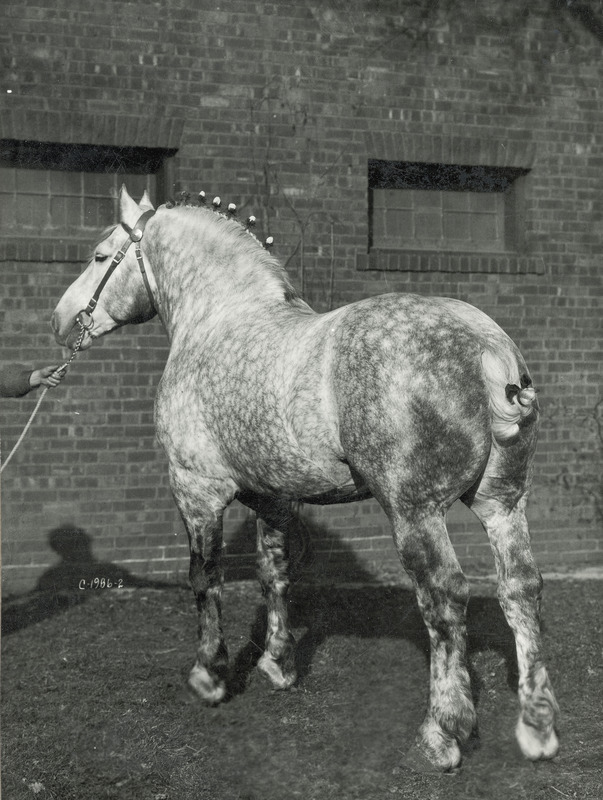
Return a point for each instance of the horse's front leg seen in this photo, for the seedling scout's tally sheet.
(273, 525)
(442, 594)
(202, 511)
(278, 660)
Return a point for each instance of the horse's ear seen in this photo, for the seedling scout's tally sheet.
(129, 211)
(145, 202)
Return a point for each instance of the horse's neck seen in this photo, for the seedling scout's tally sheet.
(203, 294)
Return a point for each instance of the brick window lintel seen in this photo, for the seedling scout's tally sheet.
(425, 261)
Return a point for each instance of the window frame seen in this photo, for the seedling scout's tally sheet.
(440, 177)
(83, 160)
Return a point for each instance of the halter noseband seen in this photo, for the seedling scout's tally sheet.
(84, 317)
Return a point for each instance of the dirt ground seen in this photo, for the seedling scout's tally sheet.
(93, 704)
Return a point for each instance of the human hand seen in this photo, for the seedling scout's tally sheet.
(47, 376)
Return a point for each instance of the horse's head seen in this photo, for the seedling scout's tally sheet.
(113, 289)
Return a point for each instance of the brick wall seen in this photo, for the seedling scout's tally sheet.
(279, 106)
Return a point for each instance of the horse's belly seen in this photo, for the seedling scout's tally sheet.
(300, 476)
(342, 494)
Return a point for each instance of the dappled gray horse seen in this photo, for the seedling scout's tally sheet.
(414, 401)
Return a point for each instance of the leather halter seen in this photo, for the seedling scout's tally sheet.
(84, 317)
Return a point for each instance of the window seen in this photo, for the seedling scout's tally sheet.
(444, 207)
(55, 190)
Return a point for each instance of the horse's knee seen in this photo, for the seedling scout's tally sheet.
(521, 586)
(443, 599)
(203, 575)
(456, 589)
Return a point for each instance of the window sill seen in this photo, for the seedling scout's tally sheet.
(436, 261)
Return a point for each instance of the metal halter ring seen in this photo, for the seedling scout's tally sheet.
(85, 320)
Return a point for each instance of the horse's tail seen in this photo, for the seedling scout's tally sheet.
(512, 396)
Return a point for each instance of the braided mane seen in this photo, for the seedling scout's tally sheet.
(224, 229)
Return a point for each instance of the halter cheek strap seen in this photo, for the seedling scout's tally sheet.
(135, 234)
(145, 278)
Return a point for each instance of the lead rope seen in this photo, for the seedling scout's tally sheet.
(62, 368)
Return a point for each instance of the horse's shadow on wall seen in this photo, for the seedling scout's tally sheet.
(73, 580)
(353, 603)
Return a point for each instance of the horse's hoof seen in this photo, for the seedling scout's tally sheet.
(417, 761)
(204, 687)
(271, 669)
(535, 744)
(434, 751)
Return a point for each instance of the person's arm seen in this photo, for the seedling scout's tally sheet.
(14, 380)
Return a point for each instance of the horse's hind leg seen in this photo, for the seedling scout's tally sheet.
(274, 520)
(519, 592)
(442, 593)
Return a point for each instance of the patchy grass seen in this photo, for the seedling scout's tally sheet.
(94, 706)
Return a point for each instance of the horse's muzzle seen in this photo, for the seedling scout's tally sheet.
(68, 336)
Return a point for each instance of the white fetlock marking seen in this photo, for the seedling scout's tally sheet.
(535, 744)
(269, 667)
(202, 683)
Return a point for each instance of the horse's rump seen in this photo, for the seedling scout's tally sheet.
(416, 352)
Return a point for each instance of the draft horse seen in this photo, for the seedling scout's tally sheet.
(415, 401)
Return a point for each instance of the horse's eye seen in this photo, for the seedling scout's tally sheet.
(99, 257)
